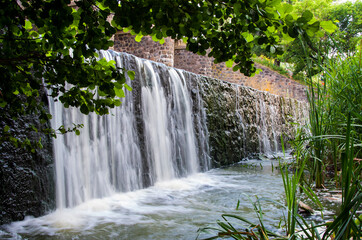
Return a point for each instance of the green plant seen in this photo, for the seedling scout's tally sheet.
(240, 228)
(333, 135)
(336, 134)
(53, 44)
(268, 63)
(347, 224)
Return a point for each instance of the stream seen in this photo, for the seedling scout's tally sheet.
(173, 209)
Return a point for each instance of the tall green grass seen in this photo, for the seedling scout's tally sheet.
(335, 134)
(331, 141)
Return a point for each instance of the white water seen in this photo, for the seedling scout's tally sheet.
(109, 155)
(157, 129)
(135, 174)
(272, 112)
(264, 141)
(241, 120)
(172, 209)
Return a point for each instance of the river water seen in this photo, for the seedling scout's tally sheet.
(173, 209)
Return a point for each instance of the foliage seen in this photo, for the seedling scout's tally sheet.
(335, 95)
(265, 61)
(334, 135)
(348, 17)
(229, 29)
(238, 227)
(50, 44)
(53, 44)
(293, 51)
(319, 8)
(345, 226)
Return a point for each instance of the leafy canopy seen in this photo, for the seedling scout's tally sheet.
(343, 22)
(53, 44)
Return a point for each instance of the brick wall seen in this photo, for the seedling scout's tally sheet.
(268, 80)
(192, 62)
(220, 71)
(146, 48)
(174, 54)
(275, 83)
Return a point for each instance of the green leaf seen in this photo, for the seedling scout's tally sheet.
(34, 34)
(237, 8)
(84, 109)
(77, 132)
(236, 68)
(117, 102)
(131, 74)
(28, 25)
(138, 37)
(289, 19)
(313, 28)
(3, 103)
(126, 30)
(6, 128)
(101, 93)
(307, 16)
(328, 26)
(128, 87)
(247, 36)
(119, 92)
(271, 29)
(101, 6)
(273, 2)
(258, 70)
(285, 9)
(229, 63)
(118, 85)
(154, 38)
(40, 145)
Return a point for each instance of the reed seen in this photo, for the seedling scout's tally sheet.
(333, 137)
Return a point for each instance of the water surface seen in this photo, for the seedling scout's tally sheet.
(173, 209)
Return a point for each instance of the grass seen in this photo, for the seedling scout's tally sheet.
(283, 69)
(270, 63)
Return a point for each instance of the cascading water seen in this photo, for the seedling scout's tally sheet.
(133, 174)
(273, 112)
(264, 141)
(237, 110)
(118, 153)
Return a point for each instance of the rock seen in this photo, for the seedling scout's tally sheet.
(304, 209)
(27, 179)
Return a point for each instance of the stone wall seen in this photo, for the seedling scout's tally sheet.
(146, 48)
(174, 54)
(243, 121)
(191, 62)
(27, 178)
(267, 80)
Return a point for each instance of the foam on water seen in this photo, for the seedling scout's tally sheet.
(170, 208)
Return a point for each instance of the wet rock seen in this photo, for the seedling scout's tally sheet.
(27, 181)
(242, 121)
(304, 209)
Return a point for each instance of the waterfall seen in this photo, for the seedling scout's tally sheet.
(157, 134)
(241, 120)
(273, 112)
(161, 131)
(264, 142)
